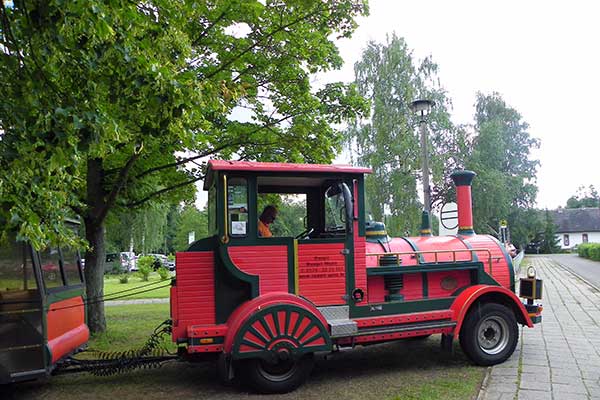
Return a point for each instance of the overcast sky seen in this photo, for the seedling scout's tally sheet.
(541, 56)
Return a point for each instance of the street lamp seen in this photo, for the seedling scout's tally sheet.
(421, 108)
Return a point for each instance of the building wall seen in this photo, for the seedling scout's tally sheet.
(576, 238)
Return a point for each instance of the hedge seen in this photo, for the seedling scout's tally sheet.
(589, 250)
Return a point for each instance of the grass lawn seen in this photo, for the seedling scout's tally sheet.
(112, 286)
(404, 370)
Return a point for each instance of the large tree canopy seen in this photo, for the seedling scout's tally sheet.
(105, 103)
(388, 140)
(501, 156)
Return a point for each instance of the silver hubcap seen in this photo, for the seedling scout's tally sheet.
(279, 372)
(492, 335)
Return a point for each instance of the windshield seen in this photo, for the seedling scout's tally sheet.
(335, 210)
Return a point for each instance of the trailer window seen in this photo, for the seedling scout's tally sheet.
(237, 206)
(50, 265)
(71, 266)
(16, 271)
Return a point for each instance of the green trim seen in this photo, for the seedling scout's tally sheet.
(511, 268)
(291, 266)
(349, 244)
(413, 246)
(468, 246)
(402, 307)
(280, 335)
(56, 295)
(362, 212)
(424, 268)
(462, 177)
(425, 282)
(252, 280)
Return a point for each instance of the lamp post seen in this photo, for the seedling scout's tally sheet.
(422, 108)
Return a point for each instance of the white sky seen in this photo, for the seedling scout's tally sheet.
(541, 56)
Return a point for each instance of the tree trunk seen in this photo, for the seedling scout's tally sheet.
(94, 275)
(96, 255)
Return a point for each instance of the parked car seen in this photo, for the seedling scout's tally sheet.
(160, 260)
(119, 262)
(171, 264)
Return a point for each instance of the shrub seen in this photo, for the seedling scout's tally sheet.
(124, 278)
(163, 272)
(594, 252)
(144, 265)
(583, 250)
(589, 250)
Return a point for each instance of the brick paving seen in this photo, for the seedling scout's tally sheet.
(558, 359)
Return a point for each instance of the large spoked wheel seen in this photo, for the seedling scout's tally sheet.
(280, 376)
(489, 334)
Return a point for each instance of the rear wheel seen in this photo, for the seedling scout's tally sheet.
(280, 376)
(489, 334)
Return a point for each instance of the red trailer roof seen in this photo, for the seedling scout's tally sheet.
(223, 165)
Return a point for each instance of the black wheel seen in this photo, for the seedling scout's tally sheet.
(489, 334)
(282, 376)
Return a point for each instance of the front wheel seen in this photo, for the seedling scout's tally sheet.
(282, 376)
(489, 334)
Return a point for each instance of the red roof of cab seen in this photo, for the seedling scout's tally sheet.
(223, 165)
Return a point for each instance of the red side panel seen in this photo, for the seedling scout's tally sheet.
(443, 284)
(269, 263)
(195, 300)
(66, 327)
(413, 287)
(499, 268)
(447, 244)
(322, 273)
(377, 290)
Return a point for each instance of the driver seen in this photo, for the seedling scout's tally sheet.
(266, 218)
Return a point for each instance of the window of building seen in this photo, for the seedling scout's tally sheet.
(566, 240)
(51, 271)
(584, 238)
(237, 206)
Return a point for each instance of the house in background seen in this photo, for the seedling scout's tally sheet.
(576, 226)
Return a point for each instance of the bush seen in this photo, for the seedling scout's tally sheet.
(594, 252)
(144, 265)
(164, 273)
(589, 250)
(583, 250)
(124, 278)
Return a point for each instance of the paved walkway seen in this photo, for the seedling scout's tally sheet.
(558, 359)
(135, 301)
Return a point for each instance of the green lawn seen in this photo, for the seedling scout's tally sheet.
(139, 288)
(407, 370)
(129, 326)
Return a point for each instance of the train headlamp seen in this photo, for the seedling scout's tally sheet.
(530, 272)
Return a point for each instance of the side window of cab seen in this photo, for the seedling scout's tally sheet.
(237, 206)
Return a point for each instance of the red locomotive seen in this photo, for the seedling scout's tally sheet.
(264, 306)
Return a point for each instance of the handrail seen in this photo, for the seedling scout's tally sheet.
(225, 238)
(436, 253)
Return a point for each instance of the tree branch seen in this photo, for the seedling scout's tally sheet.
(210, 26)
(119, 184)
(258, 42)
(167, 189)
